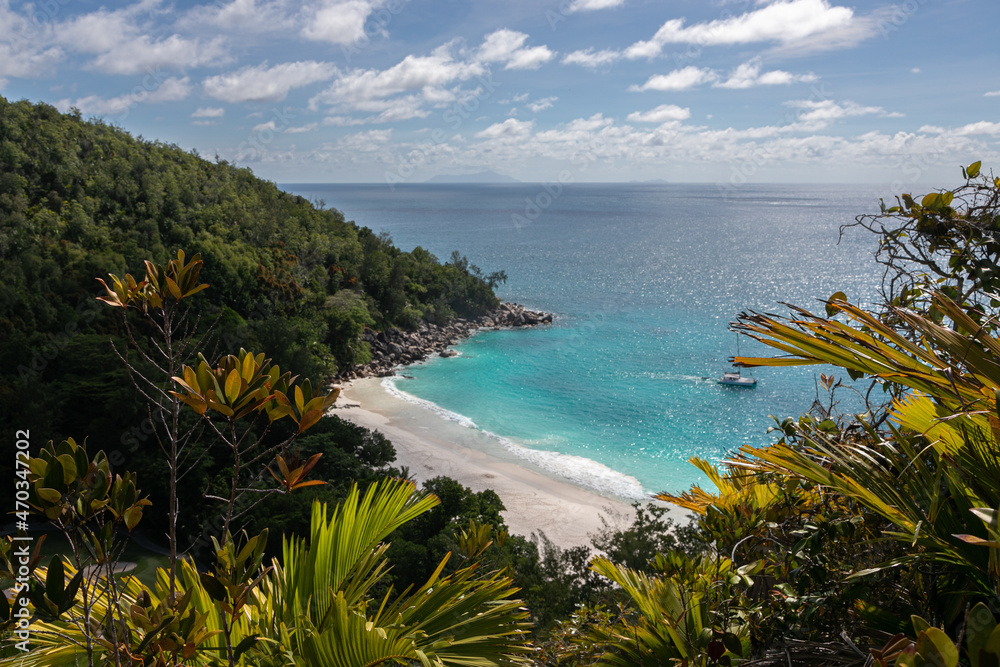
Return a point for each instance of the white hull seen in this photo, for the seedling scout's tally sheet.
(737, 380)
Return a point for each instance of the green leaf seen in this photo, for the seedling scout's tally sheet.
(833, 310)
(54, 474)
(937, 648)
(978, 627)
(244, 645)
(973, 169)
(993, 643)
(151, 635)
(232, 386)
(213, 587)
(907, 657)
(48, 495)
(71, 590)
(932, 200)
(733, 644)
(132, 517)
(68, 464)
(919, 624)
(55, 580)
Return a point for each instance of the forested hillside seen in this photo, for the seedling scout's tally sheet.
(80, 199)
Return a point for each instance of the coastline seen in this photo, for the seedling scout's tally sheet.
(429, 445)
(394, 347)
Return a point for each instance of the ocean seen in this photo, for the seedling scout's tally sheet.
(644, 280)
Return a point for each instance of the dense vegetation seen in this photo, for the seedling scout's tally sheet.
(80, 199)
(869, 539)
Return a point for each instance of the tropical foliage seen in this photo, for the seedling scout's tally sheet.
(313, 606)
(825, 544)
(290, 280)
(869, 539)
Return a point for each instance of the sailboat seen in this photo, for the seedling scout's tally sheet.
(733, 377)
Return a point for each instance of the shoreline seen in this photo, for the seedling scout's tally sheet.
(430, 445)
(395, 347)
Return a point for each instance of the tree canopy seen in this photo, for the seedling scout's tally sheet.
(79, 199)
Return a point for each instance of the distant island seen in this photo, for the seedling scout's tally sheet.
(478, 177)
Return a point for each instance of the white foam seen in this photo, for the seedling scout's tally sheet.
(578, 470)
(389, 385)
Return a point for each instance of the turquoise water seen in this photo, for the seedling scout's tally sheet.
(644, 280)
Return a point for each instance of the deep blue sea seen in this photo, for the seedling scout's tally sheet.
(644, 280)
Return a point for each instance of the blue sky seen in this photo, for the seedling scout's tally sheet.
(574, 90)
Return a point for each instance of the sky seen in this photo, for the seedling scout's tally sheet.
(400, 91)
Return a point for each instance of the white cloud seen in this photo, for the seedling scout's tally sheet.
(309, 127)
(749, 75)
(401, 108)
(171, 90)
(595, 122)
(209, 112)
(369, 140)
(97, 32)
(661, 114)
(542, 104)
(338, 21)
(590, 58)
(269, 126)
(421, 78)
(532, 58)
(24, 50)
(385, 111)
(242, 16)
(981, 127)
(819, 113)
(992, 93)
(644, 49)
(343, 121)
(679, 79)
(782, 21)
(266, 84)
(501, 44)
(507, 46)
(28, 62)
(509, 129)
(798, 24)
(591, 5)
(142, 54)
(775, 151)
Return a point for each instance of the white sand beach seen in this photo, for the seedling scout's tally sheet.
(430, 445)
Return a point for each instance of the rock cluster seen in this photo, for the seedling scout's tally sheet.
(395, 347)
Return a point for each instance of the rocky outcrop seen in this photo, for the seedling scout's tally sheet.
(396, 347)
